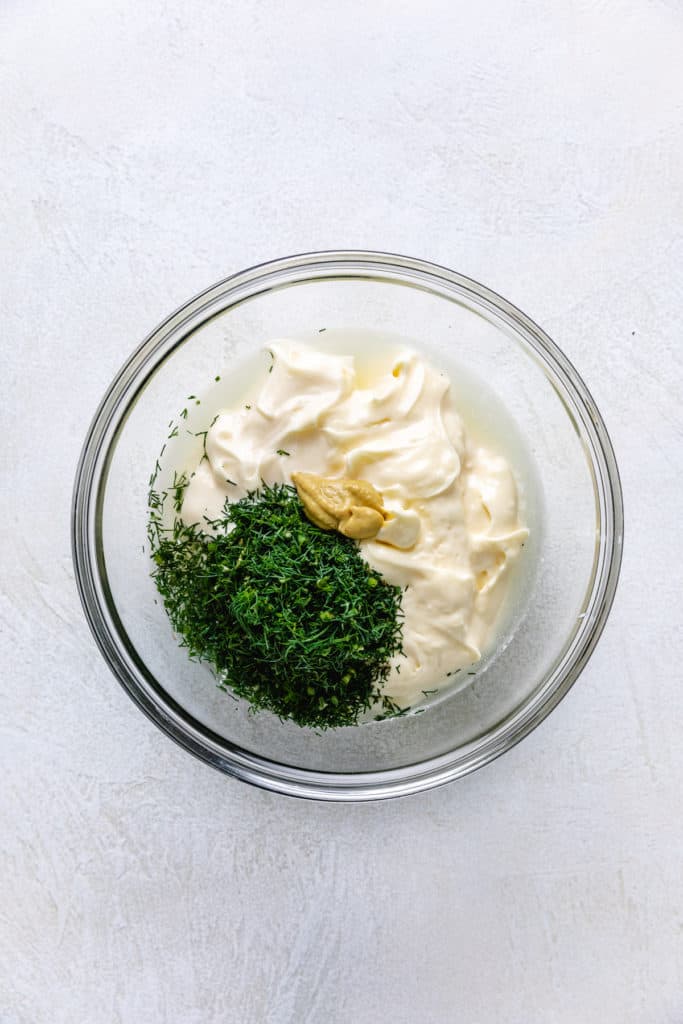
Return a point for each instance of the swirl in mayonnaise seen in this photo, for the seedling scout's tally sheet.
(453, 529)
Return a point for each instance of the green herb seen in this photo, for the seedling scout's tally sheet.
(178, 489)
(428, 693)
(281, 451)
(202, 434)
(394, 711)
(290, 616)
(155, 474)
(217, 378)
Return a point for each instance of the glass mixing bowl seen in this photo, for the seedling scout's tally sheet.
(575, 548)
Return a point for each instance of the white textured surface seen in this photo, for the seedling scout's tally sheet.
(147, 149)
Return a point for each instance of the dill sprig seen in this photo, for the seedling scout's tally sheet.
(290, 616)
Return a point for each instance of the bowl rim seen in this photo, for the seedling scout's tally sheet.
(88, 558)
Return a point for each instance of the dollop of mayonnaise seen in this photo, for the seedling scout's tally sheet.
(453, 529)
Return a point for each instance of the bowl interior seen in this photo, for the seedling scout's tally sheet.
(562, 581)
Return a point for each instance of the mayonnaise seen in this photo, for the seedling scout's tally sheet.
(453, 529)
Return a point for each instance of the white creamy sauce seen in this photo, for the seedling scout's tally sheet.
(454, 529)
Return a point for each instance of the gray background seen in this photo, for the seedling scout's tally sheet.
(147, 150)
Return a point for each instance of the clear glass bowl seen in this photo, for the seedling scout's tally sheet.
(577, 555)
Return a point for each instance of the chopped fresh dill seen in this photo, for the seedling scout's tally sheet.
(400, 713)
(291, 617)
(281, 451)
(178, 486)
(202, 434)
(155, 473)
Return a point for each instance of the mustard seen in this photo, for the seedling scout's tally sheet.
(353, 507)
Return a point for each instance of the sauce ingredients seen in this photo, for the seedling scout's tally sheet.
(452, 528)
